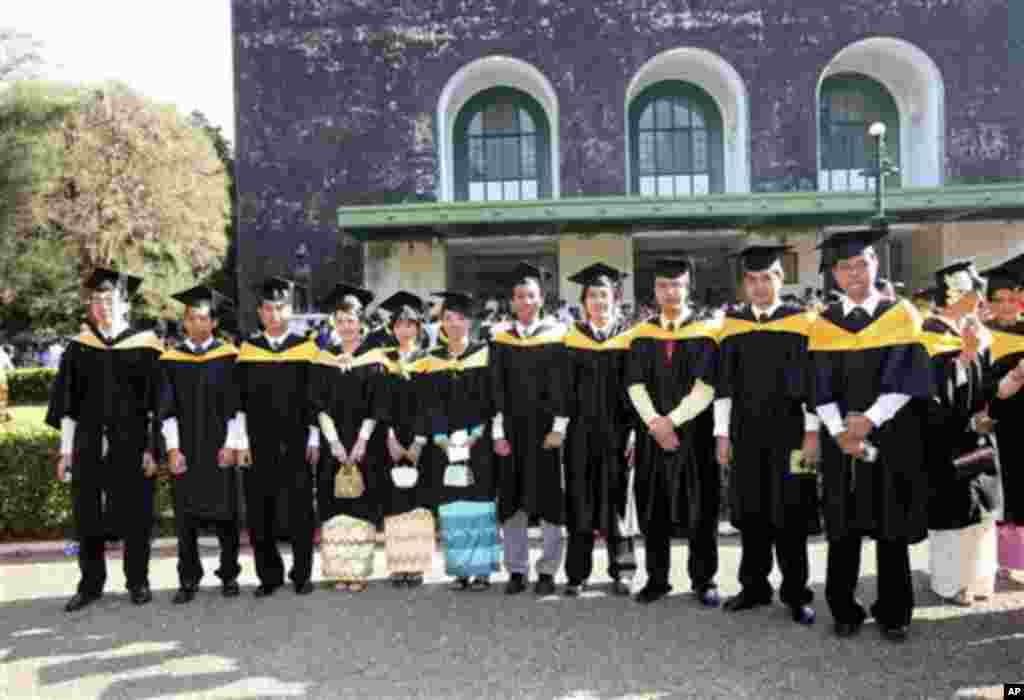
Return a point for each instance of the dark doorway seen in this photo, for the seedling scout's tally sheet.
(486, 274)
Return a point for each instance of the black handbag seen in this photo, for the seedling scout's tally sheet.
(977, 464)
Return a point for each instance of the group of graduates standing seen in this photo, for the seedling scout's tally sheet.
(575, 427)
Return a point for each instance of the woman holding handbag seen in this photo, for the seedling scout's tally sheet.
(407, 493)
(960, 459)
(343, 394)
(459, 404)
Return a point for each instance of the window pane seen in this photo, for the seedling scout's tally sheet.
(529, 189)
(682, 149)
(681, 110)
(476, 125)
(526, 125)
(494, 191)
(528, 145)
(647, 186)
(510, 158)
(663, 114)
(476, 191)
(700, 151)
(664, 156)
(647, 117)
(665, 186)
(697, 115)
(701, 184)
(683, 184)
(645, 157)
(500, 117)
(511, 190)
(493, 159)
(477, 163)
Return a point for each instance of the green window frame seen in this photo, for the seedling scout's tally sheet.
(849, 104)
(676, 144)
(502, 148)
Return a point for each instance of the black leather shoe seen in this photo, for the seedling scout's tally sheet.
(545, 585)
(803, 614)
(652, 592)
(141, 595)
(745, 601)
(304, 588)
(230, 589)
(516, 584)
(620, 587)
(185, 594)
(847, 629)
(709, 597)
(414, 580)
(573, 590)
(896, 633)
(81, 600)
(263, 590)
(460, 584)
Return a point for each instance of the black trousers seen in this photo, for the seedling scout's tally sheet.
(92, 560)
(579, 556)
(756, 564)
(262, 511)
(190, 567)
(702, 555)
(895, 604)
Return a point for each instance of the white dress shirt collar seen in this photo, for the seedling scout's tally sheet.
(604, 330)
(679, 320)
(870, 305)
(199, 348)
(760, 313)
(275, 341)
(527, 331)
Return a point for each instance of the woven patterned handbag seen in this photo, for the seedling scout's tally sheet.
(348, 482)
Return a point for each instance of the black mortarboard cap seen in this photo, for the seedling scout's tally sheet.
(202, 295)
(999, 278)
(673, 267)
(593, 275)
(454, 300)
(849, 244)
(275, 289)
(103, 279)
(757, 258)
(341, 290)
(403, 306)
(524, 270)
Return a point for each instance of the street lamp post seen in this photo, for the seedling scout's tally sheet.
(882, 168)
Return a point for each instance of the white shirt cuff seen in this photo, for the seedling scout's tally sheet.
(829, 414)
(885, 407)
(419, 440)
(241, 432)
(723, 409)
(67, 435)
(366, 430)
(327, 428)
(498, 427)
(811, 423)
(169, 429)
(560, 425)
(314, 438)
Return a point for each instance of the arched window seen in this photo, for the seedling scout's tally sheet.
(502, 142)
(850, 104)
(676, 141)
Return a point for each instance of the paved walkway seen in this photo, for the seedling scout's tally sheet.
(432, 643)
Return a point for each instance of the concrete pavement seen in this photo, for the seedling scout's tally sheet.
(432, 643)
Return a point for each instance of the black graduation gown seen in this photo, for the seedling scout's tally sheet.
(199, 390)
(854, 363)
(765, 368)
(596, 473)
(1007, 351)
(677, 475)
(457, 395)
(527, 380)
(401, 408)
(274, 390)
(958, 499)
(349, 397)
(110, 388)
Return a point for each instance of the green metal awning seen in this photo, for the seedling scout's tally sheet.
(633, 213)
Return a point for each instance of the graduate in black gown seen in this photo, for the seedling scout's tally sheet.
(766, 433)
(457, 391)
(527, 368)
(599, 444)
(344, 393)
(104, 401)
(408, 491)
(872, 381)
(282, 440)
(1007, 409)
(198, 407)
(961, 524)
(670, 376)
